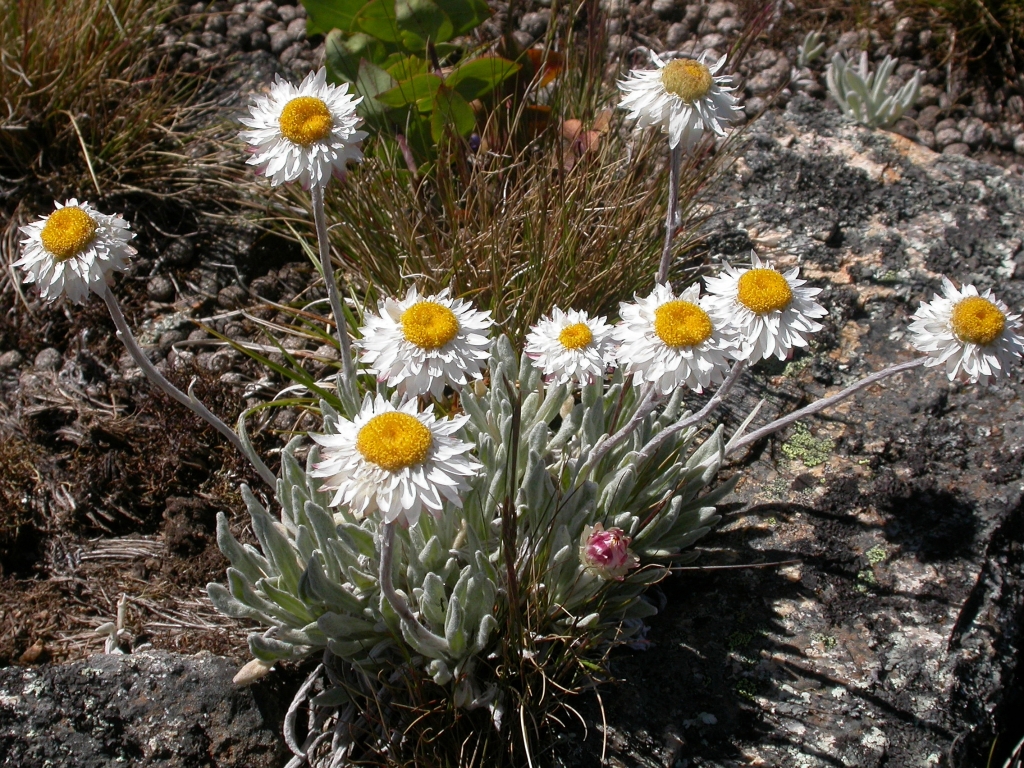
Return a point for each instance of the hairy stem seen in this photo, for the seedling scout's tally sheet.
(398, 602)
(124, 333)
(675, 162)
(821, 405)
(320, 219)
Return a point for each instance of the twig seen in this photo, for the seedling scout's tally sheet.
(675, 161)
(820, 405)
(124, 333)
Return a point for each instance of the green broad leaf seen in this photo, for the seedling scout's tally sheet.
(325, 15)
(407, 67)
(343, 53)
(370, 83)
(420, 21)
(450, 109)
(465, 15)
(478, 77)
(377, 18)
(415, 91)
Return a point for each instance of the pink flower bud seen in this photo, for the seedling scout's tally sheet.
(606, 553)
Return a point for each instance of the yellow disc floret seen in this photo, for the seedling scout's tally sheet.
(682, 324)
(429, 325)
(305, 120)
(577, 336)
(394, 441)
(688, 79)
(977, 321)
(67, 232)
(763, 291)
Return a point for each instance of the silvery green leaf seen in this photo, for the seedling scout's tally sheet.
(483, 633)
(331, 594)
(618, 490)
(358, 538)
(433, 555)
(507, 356)
(454, 629)
(639, 609)
(288, 601)
(228, 605)
(485, 566)
(268, 649)
(563, 546)
(242, 590)
(309, 635)
(432, 600)
(593, 425)
(349, 649)
(304, 542)
(237, 555)
(341, 626)
(588, 621)
(530, 407)
(537, 490)
(570, 426)
(276, 546)
(335, 696)
(439, 671)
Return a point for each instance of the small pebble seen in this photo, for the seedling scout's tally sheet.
(287, 13)
(10, 359)
(719, 10)
(49, 359)
(232, 297)
(927, 138)
(536, 23)
(1018, 144)
(928, 117)
(160, 288)
(665, 8)
(297, 29)
(948, 136)
(957, 148)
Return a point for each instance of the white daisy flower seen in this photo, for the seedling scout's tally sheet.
(306, 133)
(770, 310)
(73, 250)
(419, 344)
(673, 342)
(571, 346)
(683, 97)
(396, 461)
(967, 332)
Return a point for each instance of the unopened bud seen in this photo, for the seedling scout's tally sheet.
(606, 553)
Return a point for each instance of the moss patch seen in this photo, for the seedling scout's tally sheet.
(810, 450)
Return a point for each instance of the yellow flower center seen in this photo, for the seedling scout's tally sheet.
(682, 324)
(67, 232)
(429, 325)
(688, 79)
(763, 291)
(977, 321)
(394, 441)
(306, 119)
(576, 336)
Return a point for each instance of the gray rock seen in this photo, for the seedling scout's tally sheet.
(719, 10)
(1018, 144)
(279, 41)
(973, 131)
(146, 709)
(216, 22)
(712, 40)
(928, 117)
(615, 8)
(160, 288)
(728, 25)
(259, 41)
(291, 53)
(947, 136)
(678, 34)
(287, 13)
(10, 359)
(957, 148)
(232, 297)
(666, 9)
(1015, 105)
(297, 28)
(267, 9)
(928, 96)
(167, 338)
(927, 138)
(49, 359)
(535, 23)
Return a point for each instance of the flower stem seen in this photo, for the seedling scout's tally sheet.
(124, 333)
(821, 405)
(320, 219)
(675, 162)
(387, 587)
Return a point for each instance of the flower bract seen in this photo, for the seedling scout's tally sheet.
(673, 342)
(772, 311)
(683, 97)
(74, 250)
(606, 553)
(397, 461)
(421, 343)
(967, 332)
(571, 346)
(306, 133)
